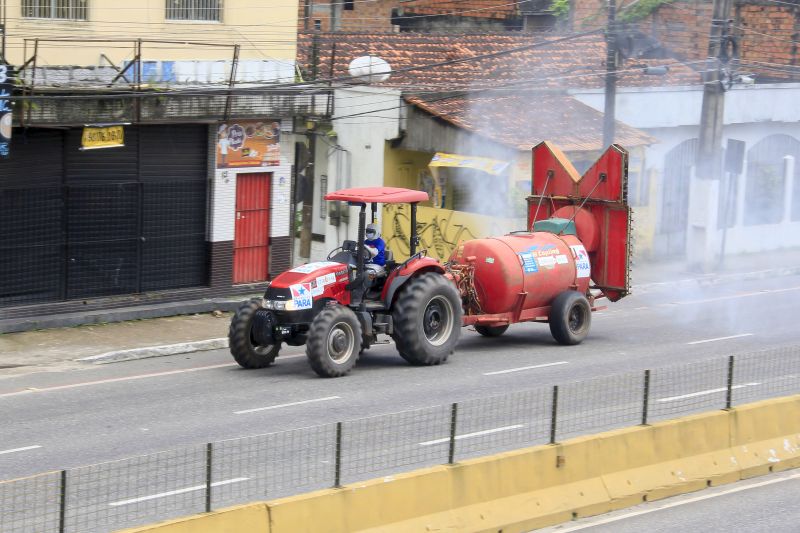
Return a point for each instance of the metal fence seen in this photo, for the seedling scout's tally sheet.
(200, 478)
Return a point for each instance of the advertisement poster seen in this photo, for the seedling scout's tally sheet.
(248, 143)
(6, 88)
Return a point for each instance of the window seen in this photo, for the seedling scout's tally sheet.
(203, 10)
(55, 9)
(348, 5)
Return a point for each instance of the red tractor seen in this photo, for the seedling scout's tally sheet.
(578, 232)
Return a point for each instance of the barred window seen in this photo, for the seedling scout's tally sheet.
(210, 10)
(55, 9)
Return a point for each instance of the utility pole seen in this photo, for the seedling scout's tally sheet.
(710, 136)
(704, 188)
(609, 109)
(310, 171)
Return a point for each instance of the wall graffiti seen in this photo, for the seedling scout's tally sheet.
(440, 230)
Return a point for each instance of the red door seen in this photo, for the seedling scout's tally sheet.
(251, 240)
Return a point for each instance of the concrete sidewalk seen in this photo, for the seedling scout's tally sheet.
(136, 339)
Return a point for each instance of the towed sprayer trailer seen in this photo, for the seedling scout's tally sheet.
(575, 250)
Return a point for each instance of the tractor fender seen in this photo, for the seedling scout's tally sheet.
(413, 269)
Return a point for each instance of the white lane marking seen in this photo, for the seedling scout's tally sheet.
(722, 338)
(734, 296)
(286, 405)
(677, 504)
(129, 378)
(520, 369)
(704, 392)
(178, 491)
(476, 434)
(21, 449)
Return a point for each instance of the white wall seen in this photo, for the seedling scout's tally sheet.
(364, 119)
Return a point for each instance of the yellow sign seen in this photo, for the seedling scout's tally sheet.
(102, 137)
(492, 166)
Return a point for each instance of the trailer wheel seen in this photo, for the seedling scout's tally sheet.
(491, 331)
(427, 320)
(242, 342)
(334, 342)
(570, 318)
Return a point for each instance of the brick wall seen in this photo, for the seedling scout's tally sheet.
(769, 33)
(375, 16)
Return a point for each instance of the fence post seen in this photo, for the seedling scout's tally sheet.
(646, 396)
(554, 415)
(62, 514)
(338, 466)
(729, 395)
(453, 418)
(209, 455)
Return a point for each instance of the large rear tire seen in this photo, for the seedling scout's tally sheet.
(491, 331)
(427, 320)
(570, 318)
(242, 343)
(334, 342)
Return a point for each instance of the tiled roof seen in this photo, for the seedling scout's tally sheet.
(522, 120)
(494, 9)
(579, 62)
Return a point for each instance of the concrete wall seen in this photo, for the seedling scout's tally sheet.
(264, 29)
(672, 114)
(364, 119)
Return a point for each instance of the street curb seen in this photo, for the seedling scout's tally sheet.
(156, 351)
(709, 280)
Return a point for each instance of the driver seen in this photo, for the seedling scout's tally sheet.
(376, 248)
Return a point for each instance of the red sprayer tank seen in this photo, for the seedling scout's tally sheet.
(539, 264)
(576, 250)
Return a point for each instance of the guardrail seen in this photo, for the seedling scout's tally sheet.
(200, 478)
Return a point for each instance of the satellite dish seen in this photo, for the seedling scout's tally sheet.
(369, 69)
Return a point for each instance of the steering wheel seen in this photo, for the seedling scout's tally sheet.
(333, 252)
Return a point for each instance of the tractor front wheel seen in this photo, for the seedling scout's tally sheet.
(242, 340)
(570, 317)
(334, 342)
(427, 320)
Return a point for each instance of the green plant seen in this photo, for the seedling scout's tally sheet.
(560, 8)
(640, 9)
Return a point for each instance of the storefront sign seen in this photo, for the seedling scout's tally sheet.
(6, 88)
(102, 137)
(248, 143)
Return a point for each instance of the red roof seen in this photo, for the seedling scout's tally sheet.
(383, 195)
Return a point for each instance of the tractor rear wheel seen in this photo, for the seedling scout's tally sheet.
(491, 331)
(427, 320)
(570, 317)
(242, 342)
(334, 342)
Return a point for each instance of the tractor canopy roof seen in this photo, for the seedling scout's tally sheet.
(382, 195)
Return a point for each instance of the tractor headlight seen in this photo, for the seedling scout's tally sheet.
(279, 306)
(268, 304)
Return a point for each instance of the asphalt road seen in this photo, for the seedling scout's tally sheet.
(767, 503)
(58, 420)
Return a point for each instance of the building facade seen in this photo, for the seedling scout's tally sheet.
(193, 195)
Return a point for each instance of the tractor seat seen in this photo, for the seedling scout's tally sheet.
(389, 257)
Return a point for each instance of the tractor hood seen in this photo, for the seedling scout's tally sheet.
(314, 275)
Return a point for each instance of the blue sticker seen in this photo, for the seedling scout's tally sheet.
(528, 263)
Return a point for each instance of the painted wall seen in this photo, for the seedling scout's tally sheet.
(264, 29)
(440, 230)
(364, 119)
(672, 114)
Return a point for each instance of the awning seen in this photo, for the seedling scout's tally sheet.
(490, 166)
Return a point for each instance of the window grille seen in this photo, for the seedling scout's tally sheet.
(203, 10)
(55, 9)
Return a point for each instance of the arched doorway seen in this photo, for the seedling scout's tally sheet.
(766, 182)
(674, 215)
